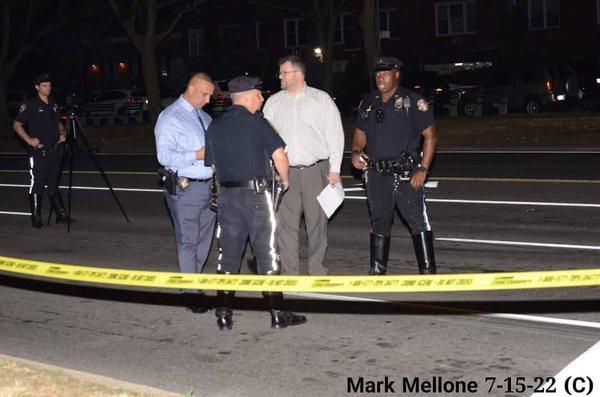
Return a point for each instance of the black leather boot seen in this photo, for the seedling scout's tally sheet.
(380, 251)
(62, 216)
(35, 205)
(423, 243)
(281, 318)
(223, 310)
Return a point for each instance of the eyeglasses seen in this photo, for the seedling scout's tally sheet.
(379, 116)
(285, 73)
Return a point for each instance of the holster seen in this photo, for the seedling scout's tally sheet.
(277, 188)
(168, 180)
(260, 185)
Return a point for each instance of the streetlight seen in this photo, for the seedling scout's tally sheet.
(319, 54)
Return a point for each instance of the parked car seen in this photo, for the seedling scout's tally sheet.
(221, 99)
(429, 84)
(589, 79)
(531, 88)
(111, 103)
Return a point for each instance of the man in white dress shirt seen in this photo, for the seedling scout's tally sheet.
(309, 123)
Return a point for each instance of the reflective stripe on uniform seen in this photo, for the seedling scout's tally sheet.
(31, 173)
(219, 245)
(273, 220)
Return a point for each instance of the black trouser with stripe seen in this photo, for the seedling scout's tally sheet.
(384, 194)
(44, 169)
(244, 214)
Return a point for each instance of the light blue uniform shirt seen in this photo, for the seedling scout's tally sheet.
(178, 135)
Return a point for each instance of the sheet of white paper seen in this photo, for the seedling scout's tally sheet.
(331, 198)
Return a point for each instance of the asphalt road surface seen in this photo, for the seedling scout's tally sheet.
(491, 212)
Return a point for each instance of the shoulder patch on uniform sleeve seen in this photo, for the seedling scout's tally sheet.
(22, 108)
(422, 105)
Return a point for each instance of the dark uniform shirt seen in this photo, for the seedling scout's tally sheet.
(40, 119)
(240, 144)
(394, 126)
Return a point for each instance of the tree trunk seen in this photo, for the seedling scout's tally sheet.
(328, 59)
(4, 121)
(370, 35)
(151, 80)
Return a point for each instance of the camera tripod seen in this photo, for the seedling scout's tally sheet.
(74, 131)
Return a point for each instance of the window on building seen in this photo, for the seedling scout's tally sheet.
(544, 14)
(295, 32)
(344, 28)
(389, 25)
(230, 37)
(456, 17)
(195, 42)
(261, 36)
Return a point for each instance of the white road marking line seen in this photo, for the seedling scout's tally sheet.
(534, 203)
(14, 213)
(500, 202)
(121, 189)
(518, 180)
(431, 184)
(355, 189)
(92, 172)
(520, 243)
(504, 151)
(439, 178)
(584, 366)
(509, 316)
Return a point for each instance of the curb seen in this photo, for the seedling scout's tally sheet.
(93, 378)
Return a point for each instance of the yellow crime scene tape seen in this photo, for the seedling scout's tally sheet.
(392, 283)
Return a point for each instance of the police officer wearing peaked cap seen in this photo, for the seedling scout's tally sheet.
(38, 124)
(394, 143)
(239, 146)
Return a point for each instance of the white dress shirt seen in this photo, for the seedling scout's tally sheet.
(309, 123)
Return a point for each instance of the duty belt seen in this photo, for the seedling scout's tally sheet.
(45, 148)
(259, 184)
(248, 184)
(387, 166)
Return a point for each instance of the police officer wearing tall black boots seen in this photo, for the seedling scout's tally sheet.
(239, 146)
(38, 124)
(394, 143)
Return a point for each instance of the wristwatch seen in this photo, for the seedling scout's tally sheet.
(423, 169)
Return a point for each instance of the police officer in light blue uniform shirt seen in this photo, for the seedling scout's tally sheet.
(180, 140)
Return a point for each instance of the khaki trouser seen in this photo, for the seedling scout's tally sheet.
(301, 198)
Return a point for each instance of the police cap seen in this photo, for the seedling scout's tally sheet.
(243, 83)
(386, 63)
(43, 78)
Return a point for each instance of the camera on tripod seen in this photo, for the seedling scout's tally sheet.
(73, 105)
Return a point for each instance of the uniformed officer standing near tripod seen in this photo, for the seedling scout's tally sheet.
(239, 146)
(394, 124)
(38, 124)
